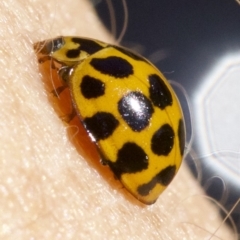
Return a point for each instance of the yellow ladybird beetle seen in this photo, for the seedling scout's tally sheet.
(128, 109)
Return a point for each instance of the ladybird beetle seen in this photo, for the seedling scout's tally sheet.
(127, 107)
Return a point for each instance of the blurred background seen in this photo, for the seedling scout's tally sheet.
(196, 44)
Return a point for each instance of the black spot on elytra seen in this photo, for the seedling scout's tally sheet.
(163, 140)
(92, 87)
(85, 45)
(181, 136)
(164, 177)
(130, 54)
(136, 110)
(101, 125)
(159, 92)
(112, 66)
(131, 158)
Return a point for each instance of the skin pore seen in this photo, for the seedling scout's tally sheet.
(47, 189)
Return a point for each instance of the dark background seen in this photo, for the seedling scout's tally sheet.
(194, 33)
(191, 37)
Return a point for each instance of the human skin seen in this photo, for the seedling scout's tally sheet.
(54, 187)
